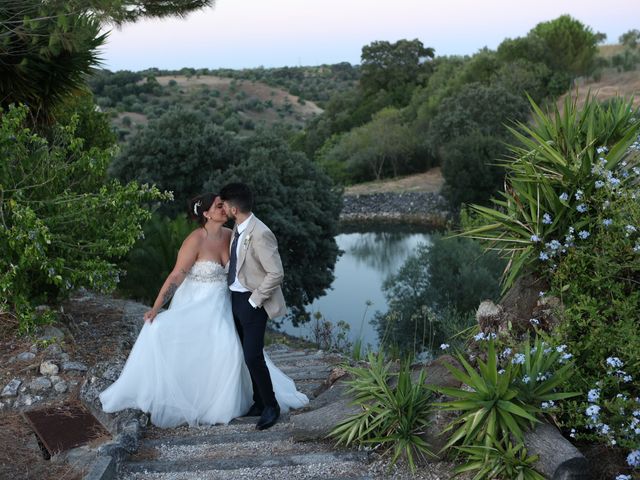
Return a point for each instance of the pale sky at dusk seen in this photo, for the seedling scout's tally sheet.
(273, 33)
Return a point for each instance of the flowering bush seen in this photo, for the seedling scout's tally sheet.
(63, 224)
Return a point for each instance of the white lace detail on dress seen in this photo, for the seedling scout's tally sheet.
(207, 271)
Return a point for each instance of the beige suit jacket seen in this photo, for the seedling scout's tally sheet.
(260, 268)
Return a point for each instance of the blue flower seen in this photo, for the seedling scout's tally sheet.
(624, 477)
(602, 149)
(599, 184)
(579, 194)
(564, 197)
(535, 238)
(614, 181)
(546, 219)
(607, 221)
(518, 359)
(592, 411)
(444, 346)
(526, 379)
(479, 337)
(614, 362)
(593, 395)
(565, 357)
(633, 459)
(581, 208)
(543, 256)
(583, 234)
(630, 229)
(547, 405)
(534, 321)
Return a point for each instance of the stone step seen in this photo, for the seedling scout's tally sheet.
(258, 446)
(333, 471)
(290, 356)
(324, 460)
(220, 438)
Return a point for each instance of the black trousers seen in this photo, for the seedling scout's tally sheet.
(251, 324)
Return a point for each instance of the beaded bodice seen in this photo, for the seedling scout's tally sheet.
(207, 271)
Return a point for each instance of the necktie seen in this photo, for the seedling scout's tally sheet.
(233, 259)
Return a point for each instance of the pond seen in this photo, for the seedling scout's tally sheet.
(369, 257)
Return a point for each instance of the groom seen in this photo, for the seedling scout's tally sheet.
(255, 276)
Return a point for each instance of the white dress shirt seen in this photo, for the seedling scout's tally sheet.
(236, 286)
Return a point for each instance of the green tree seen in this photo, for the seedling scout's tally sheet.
(470, 170)
(178, 152)
(64, 225)
(300, 204)
(382, 147)
(630, 39)
(394, 67)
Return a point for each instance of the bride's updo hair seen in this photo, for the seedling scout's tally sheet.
(198, 205)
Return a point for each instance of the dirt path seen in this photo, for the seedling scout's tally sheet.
(430, 181)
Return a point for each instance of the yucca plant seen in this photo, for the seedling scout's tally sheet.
(395, 411)
(548, 171)
(502, 460)
(544, 368)
(489, 407)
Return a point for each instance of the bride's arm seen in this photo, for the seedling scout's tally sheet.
(186, 257)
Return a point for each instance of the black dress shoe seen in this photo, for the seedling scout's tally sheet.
(268, 418)
(254, 411)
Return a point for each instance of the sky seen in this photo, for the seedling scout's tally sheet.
(274, 33)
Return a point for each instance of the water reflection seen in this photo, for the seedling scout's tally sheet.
(368, 258)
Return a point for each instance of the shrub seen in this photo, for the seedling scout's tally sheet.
(64, 225)
(393, 417)
(550, 173)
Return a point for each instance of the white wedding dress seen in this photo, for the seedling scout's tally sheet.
(188, 366)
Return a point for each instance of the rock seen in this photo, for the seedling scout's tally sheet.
(26, 356)
(51, 333)
(55, 379)
(73, 366)
(112, 372)
(53, 350)
(11, 389)
(61, 387)
(48, 368)
(558, 458)
(64, 356)
(437, 374)
(29, 400)
(316, 424)
(40, 384)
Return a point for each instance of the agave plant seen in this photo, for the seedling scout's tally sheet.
(393, 417)
(503, 460)
(549, 169)
(489, 405)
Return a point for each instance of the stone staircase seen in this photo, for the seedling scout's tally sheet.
(239, 451)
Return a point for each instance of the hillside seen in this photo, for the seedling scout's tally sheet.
(610, 85)
(133, 99)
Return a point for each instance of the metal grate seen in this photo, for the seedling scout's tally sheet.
(64, 427)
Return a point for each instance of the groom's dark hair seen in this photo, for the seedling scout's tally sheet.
(239, 195)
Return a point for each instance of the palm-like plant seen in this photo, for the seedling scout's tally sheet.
(391, 416)
(554, 156)
(509, 461)
(490, 407)
(46, 51)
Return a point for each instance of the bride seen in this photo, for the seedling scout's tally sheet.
(187, 364)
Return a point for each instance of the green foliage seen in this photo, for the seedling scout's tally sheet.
(597, 282)
(92, 126)
(470, 170)
(46, 49)
(508, 461)
(394, 67)
(477, 107)
(300, 204)
(153, 257)
(385, 146)
(630, 39)
(178, 152)
(435, 293)
(551, 170)
(393, 417)
(505, 393)
(565, 45)
(64, 224)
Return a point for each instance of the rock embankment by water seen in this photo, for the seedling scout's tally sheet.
(421, 208)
